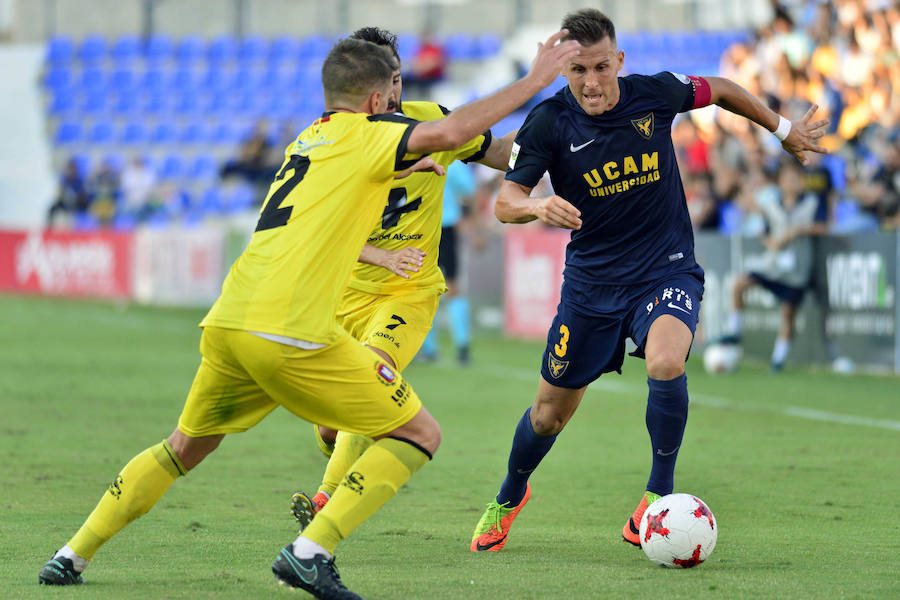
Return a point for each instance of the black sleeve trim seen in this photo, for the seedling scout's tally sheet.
(392, 117)
(444, 109)
(399, 163)
(483, 150)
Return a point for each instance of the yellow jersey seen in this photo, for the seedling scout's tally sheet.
(412, 215)
(319, 210)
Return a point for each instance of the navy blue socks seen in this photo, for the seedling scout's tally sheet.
(667, 411)
(528, 449)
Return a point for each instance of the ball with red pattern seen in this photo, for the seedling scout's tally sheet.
(678, 531)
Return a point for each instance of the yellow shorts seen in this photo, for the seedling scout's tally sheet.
(396, 324)
(344, 386)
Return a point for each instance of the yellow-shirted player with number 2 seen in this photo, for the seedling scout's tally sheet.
(272, 338)
(392, 315)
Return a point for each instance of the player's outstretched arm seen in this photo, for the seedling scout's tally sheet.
(497, 155)
(471, 119)
(397, 262)
(515, 205)
(797, 137)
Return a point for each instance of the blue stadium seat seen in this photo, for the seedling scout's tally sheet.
(101, 133)
(192, 133)
(185, 80)
(93, 103)
(187, 105)
(125, 49)
(273, 80)
(214, 80)
(58, 77)
(63, 102)
(133, 133)
(460, 46)
(244, 80)
(163, 133)
(83, 221)
(158, 49)
(407, 46)
(125, 104)
(124, 222)
(92, 80)
(92, 49)
(190, 49)
(241, 198)
(60, 49)
(204, 168)
(730, 218)
(489, 45)
(172, 167)
(156, 105)
(283, 48)
(123, 79)
(314, 48)
(115, 160)
(222, 49)
(252, 49)
(210, 200)
(153, 81)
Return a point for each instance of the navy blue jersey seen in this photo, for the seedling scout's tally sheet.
(618, 169)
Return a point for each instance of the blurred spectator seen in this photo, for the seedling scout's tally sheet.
(426, 69)
(72, 196)
(138, 183)
(252, 161)
(106, 190)
(792, 216)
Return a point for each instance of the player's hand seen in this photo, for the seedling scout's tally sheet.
(804, 136)
(557, 212)
(552, 58)
(399, 262)
(426, 163)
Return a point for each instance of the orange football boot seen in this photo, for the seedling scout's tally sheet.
(632, 530)
(493, 529)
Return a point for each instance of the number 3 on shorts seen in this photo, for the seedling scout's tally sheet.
(561, 347)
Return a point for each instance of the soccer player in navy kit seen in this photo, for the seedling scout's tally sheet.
(630, 269)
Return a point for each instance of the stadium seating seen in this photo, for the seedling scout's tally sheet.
(190, 101)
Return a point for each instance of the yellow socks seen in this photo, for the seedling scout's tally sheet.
(348, 447)
(368, 484)
(134, 491)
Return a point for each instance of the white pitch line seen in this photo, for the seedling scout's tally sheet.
(621, 387)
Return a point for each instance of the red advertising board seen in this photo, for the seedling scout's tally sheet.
(96, 264)
(535, 258)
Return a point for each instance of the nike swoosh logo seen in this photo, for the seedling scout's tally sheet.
(524, 471)
(574, 148)
(661, 453)
(678, 308)
(482, 547)
(308, 575)
(631, 526)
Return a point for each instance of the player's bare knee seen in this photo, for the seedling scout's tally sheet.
(665, 365)
(423, 430)
(546, 420)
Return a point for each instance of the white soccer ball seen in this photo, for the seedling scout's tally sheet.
(721, 358)
(678, 531)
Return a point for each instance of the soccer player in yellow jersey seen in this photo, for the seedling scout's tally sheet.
(272, 337)
(392, 315)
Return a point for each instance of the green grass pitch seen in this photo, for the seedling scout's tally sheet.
(802, 471)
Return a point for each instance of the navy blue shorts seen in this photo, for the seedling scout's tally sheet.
(587, 337)
(785, 293)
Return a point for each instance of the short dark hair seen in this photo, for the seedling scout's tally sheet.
(588, 26)
(354, 69)
(379, 36)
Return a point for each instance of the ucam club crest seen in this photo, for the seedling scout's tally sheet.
(644, 126)
(557, 367)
